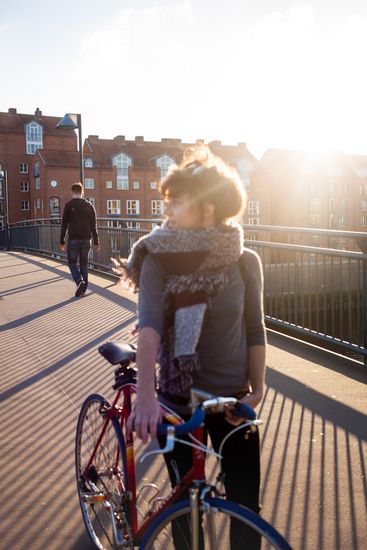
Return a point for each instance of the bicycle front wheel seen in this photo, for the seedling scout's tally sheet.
(100, 462)
(172, 529)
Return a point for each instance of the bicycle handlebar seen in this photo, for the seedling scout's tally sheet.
(241, 409)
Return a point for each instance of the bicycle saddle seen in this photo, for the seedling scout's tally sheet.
(116, 353)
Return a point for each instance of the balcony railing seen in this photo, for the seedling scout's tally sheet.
(318, 293)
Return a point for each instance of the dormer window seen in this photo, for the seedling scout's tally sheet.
(88, 163)
(122, 163)
(164, 163)
(244, 168)
(34, 137)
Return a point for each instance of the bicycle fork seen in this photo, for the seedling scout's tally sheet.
(194, 514)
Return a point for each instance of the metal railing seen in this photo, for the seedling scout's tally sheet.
(316, 293)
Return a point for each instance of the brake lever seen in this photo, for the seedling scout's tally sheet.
(170, 443)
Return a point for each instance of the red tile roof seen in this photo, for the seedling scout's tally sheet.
(14, 123)
(64, 159)
(144, 153)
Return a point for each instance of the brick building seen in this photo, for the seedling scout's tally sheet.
(122, 177)
(327, 191)
(21, 137)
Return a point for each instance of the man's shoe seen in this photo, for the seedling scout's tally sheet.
(81, 287)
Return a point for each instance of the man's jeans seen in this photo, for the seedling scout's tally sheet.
(79, 249)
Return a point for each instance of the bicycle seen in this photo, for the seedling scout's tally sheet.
(106, 481)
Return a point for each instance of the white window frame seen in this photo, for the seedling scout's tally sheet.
(122, 163)
(109, 184)
(364, 206)
(24, 186)
(133, 207)
(254, 208)
(163, 163)
(153, 185)
(157, 207)
(38, 203)
(92, 200)
(88, 183)
(133, 225)
(34, 137)
(23, 168)
(114, 207)
(24, 205)
(88, 163)
(38, 183)
(254, 221)
(363, 221)
(136, 184)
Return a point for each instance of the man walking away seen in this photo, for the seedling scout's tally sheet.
(79, 218)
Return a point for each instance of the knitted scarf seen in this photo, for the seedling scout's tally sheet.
(195, 263)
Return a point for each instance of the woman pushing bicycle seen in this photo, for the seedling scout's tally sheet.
(201, 317)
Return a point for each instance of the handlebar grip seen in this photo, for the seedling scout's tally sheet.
(244, 410)
(187, 427)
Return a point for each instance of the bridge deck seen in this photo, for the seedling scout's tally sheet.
(314, 450)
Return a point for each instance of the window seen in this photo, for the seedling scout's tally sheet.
(315, 205)
(164, 163)
(344, 204)
(24, 205)
(133, 225)
(38, 183)
(244, 168)
(315, 220)
(34, 137)
(55, 206)
(343, 220)
(36, 169)
(24, 186)
(364, 221)
(364, 206)
(38, 203)
(153, 185)
(253, 221)
(1, 190)
(331, 188)
(132, 207)
(122, 163)
(88, 163)
(157, 207)
(114, 207)
(136, 185)
(254, 208)
(108, 184)
(23, 168)
(89, 183)
(91, 200)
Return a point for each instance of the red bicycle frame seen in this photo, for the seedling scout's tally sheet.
(196, 473)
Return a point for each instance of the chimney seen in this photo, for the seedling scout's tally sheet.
(92, 137)
(139, 140)
(199, 142)
(215, 143)
(119, 138)
(12, 111)
(37, 112)
(242, 144)
(170, 141)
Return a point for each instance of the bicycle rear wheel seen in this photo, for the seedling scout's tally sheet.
(217, 515)
(101, 482)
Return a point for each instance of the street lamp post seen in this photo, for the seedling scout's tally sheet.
(73, 121)
(4, 179)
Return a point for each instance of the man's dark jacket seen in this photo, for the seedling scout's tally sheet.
(80, 218)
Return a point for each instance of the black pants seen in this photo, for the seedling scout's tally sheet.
(240, 465)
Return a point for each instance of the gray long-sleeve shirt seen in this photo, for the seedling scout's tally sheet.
(233, 322)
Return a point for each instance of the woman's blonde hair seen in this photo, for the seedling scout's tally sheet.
(207, 178)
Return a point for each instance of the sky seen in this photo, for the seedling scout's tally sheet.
(271, 73)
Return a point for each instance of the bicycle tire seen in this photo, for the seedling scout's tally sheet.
(159, 536)
(101, 492)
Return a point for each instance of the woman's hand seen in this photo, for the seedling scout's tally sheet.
(144, 418)
(251, 399)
